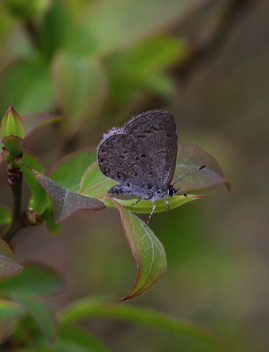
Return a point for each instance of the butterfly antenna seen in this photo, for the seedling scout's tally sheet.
(198, 169)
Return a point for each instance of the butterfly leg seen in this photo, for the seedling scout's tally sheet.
(150, 215)
(167, 203)
(129, 206)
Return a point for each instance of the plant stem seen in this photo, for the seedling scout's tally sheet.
(15, 181)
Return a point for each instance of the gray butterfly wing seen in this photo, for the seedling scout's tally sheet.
(156, 133)
(123, 158)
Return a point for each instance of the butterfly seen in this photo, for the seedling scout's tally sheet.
(141, 157)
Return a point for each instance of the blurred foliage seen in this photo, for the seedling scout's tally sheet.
(98, 62)
(83, 61)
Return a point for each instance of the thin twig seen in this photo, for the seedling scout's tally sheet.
(15, 181)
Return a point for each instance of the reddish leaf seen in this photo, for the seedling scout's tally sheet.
(8, 267)
(64, 201)
(33, 121)
(147, 250)
(190, 157)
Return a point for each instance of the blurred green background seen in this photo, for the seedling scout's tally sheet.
(98, 63)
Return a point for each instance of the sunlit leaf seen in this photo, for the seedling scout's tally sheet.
(94, 183)
(66, 202)
(145, 206)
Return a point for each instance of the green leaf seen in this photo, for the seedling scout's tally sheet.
(147, 250)
(78, 162)
(40, 313)
(28, 85)
(26, 9)
(50, 221)
(105, 31)
(145, 206)
(73, 338)
(94, 183)
(9, 310)
(92, 307)
(35, 280)
(155, 54)
(143, 66)
(80, 86)
(66, 202)
(56, 27)
(5, 215)
(190, 157)
(39, 199)
(8, 267)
